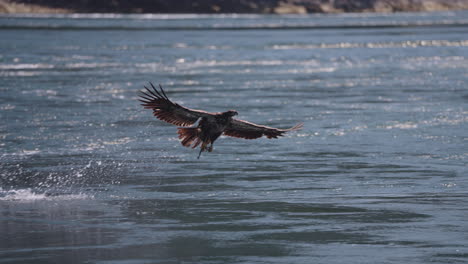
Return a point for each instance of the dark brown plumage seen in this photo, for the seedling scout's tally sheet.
(210, 125)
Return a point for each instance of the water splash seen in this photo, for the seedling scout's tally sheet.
(59, 182)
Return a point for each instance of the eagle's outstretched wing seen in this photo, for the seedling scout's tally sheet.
(168, 111)
(247, 130)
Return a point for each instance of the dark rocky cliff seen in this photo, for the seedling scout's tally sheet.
(236, 6)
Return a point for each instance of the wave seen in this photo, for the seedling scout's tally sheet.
(43, 66)
(28, 195)
(26, 66)
(231, 27)
(230, 21)
(402, 44)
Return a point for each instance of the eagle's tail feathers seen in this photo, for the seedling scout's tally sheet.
(196, 142)
(189, 136)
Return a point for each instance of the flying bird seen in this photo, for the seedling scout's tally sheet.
(200, 127)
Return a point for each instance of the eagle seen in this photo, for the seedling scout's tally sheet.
(200, 127)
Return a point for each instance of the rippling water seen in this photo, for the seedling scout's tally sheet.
(377, 175)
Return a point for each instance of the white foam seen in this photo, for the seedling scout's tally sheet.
(27, 195)
(375, 45)
(26, 66)
(404, 125)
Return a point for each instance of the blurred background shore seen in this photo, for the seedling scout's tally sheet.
(228, 6)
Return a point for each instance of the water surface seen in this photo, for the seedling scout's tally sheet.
(377, 175)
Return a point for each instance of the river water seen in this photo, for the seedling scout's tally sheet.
(378, 174)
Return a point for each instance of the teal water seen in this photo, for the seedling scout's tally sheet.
(377, 175)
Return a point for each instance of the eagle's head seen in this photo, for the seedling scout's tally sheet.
(230, 113)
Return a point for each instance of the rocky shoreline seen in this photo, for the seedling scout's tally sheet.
(228, 6)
